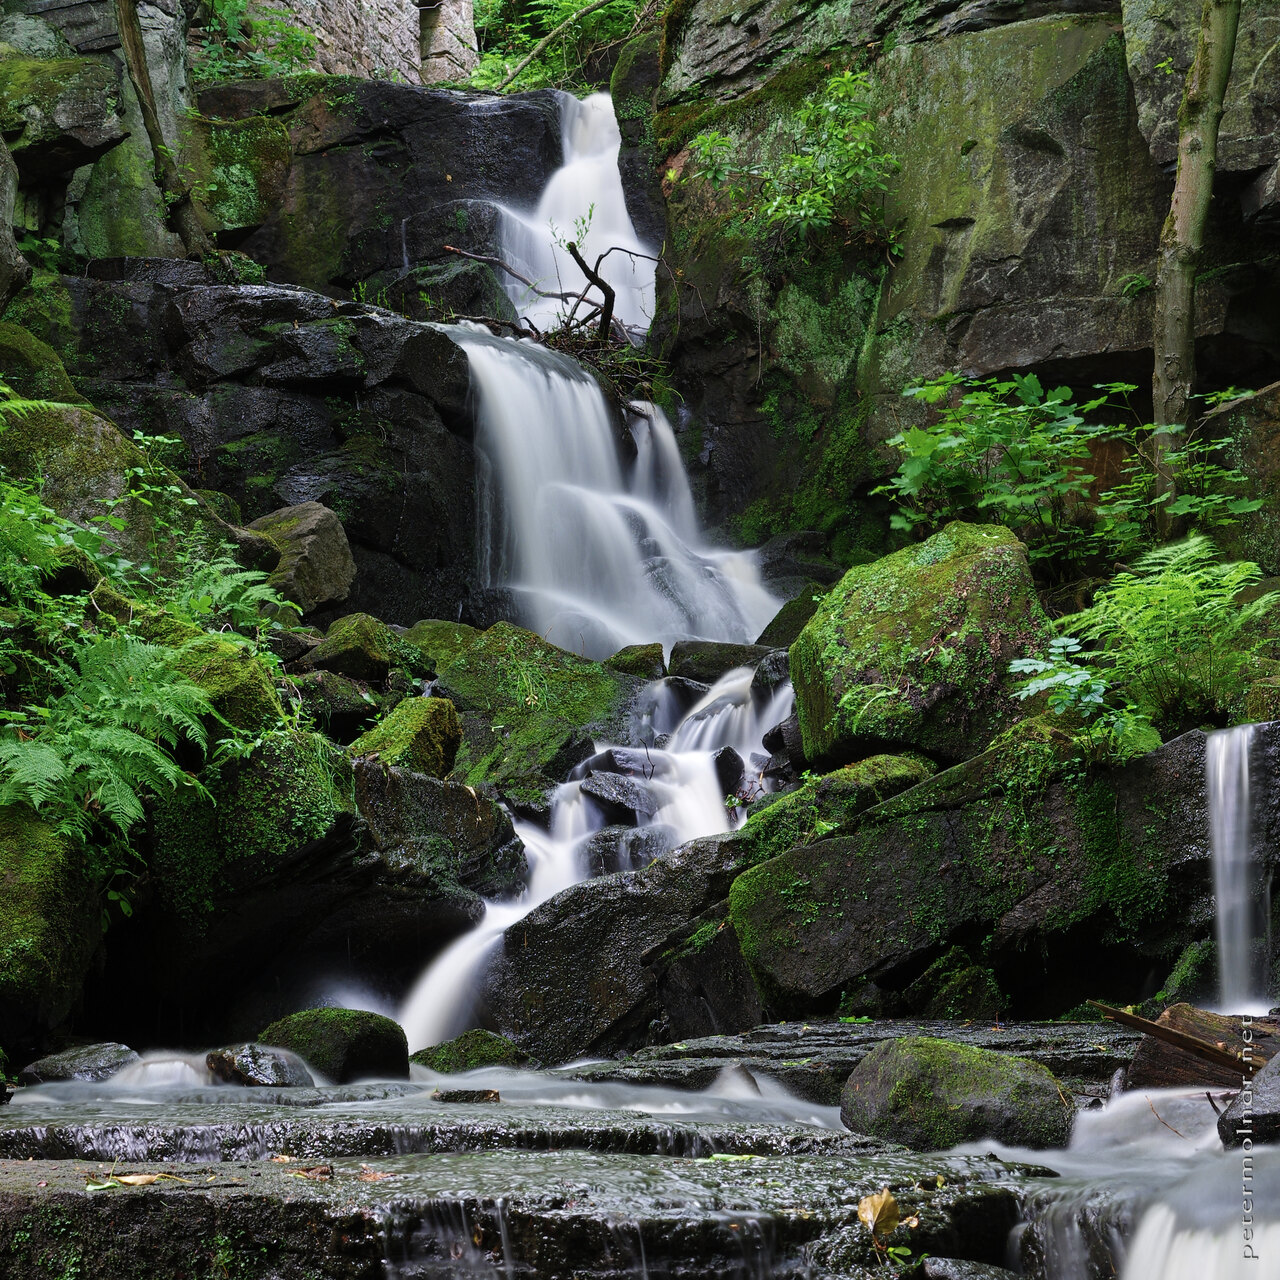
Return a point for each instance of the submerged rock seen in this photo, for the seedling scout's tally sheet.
(256, 1064)
(931, 1094)
(343, 1044)
(472, 1049)
(88, 1062)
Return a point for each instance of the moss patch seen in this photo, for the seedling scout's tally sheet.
(343, 1044)
(421, 734)
(468, 1052)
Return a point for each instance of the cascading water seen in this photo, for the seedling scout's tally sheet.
(584, 202)
(1237, 878)
(597, 554)
(684, 798)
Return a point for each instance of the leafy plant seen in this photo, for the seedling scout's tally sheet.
(1174, 632)
(881, 1216)
(1008, 451)
(834, 171)
(240, 46)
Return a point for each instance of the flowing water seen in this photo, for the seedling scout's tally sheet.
(1242, 910)
(583, 203)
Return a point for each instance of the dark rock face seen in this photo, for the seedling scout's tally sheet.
(1081, 884)
(343, 1044)
(90, 1062)
(1255, 1112)
(287, 398)
(930, 1094)
(256, 1064)
(364, 162)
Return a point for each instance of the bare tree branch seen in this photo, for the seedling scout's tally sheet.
(549, 38)
(606, 311)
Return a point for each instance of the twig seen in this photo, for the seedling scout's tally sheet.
(549, 38)
(606, 311)
(510, 270)
(1163, 1121)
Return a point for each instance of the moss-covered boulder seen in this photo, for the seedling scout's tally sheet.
(316, 566)
(343, 708)
(707, 660)
(643, 660)
(913, 650)
(50, 927)
(932, 1094)
(33, 369)
(343, 1044)
(787, 624)
(469, 1051)
(1043, 862)
(954, 987)
(421, 734)
(530, 711)
(357, 645)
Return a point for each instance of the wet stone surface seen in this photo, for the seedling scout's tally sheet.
(814, 1059)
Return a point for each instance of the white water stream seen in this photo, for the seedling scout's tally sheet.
(1237, 876)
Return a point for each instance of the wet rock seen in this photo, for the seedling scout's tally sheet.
(870, 671)
(341, 707)
(707, 660)
(256, 1064)
(87, 1062)
(931, 1094)
(772, 671)
(729, 769)
(789, 621)
(1255, 1111)
(957, 1269)
(466, 1095)
(467, 1052)
(622, 799)
(343, 1044)
(643, 660)
(315, 558)
(421, 734)
(619, 848)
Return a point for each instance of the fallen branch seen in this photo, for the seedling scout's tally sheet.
(511, 271)
(1193, 1045)
(549, 39)
(595, 278)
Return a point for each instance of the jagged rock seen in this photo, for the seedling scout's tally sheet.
(421, 734)
(620, 848)
(931, 1094)
(1254, 1113)
(88, 1062)
(315, 558)
(1013, 845)
(913, 650)
(257, 1064)
(343, 1044)
(729, 769)
(705, 661)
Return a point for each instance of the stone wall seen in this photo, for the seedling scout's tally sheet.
(390, 39)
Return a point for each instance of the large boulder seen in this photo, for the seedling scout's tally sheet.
(343, 1044)
(912, 651)
(931, 1094)
(421, 734)
(1080, 884)
(86, 1062)
(315, 558)
(50, 927)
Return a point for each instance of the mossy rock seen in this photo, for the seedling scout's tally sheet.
(469, 1051)
(58, 114)
(421, 734)
(932, 1094)
(343, 1044)
(292, 793)
(50, 926)
(787, 624)
(644, 661)
(33, 369)
(707, 660)
(362, 647)
(954, 987)
(529, 710)
(341, 707)
(913, 650)
(441, 642)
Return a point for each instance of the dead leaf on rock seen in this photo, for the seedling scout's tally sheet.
(879, 1213)
(281, 1159)
(369, 1174)
(317, 1173)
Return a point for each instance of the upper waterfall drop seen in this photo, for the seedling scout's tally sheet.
(583, 202)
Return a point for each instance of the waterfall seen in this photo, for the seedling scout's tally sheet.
(686, 801)
(583, 202)
(1237, 886)
(597, 553)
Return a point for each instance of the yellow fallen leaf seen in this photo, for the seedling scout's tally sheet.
(137, 1179)
(879, 1213)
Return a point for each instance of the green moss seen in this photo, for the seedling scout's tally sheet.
(1194, 976)
(524, 702)
(343, 1044)
(50, 923)
(421, 734)
(43, 309)
(288, 793)
(440, 642)
(32, 368)
(469, 1052)
(358, 645)
(242, 169)
(644, 661)
(32, 88)
(913, 649)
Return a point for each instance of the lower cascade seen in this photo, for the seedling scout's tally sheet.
(1240, 890)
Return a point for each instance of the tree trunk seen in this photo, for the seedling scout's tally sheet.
(1182, 237)
(176, 192)
(14, 271)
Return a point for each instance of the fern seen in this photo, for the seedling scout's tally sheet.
(1179, 641)
(92, 752)
(221, 590)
